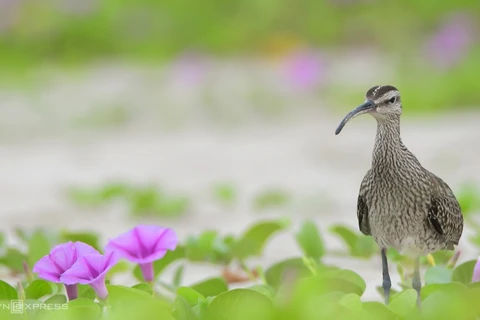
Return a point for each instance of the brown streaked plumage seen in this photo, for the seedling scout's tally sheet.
(401, 204)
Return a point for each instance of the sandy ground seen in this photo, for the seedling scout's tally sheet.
(302, 155)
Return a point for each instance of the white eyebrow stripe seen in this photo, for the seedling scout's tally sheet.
(388, 95)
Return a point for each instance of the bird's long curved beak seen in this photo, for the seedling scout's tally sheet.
(361, 109)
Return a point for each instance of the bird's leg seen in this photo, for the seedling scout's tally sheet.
(416, 282)
(386, 284)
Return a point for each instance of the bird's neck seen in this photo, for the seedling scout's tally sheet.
(389, 149)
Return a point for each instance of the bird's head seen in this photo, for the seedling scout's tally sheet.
(382, 102)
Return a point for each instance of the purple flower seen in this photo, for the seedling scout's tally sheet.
(143, 245)
(91, 269)
(451, 43)
(476, 272)
(189, 69)
(60, 259)
(305, 69)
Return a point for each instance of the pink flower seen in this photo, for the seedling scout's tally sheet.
(60, 259)
(305, 69)
(91, 269)
(143, 245)
(451, 43)
(476, 272)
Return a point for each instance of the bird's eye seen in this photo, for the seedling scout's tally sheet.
(391, 100)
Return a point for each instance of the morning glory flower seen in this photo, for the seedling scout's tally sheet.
(190, 69)
(451, 43)
(91, 269)
(305, 69)
(476, 272)
(60, 259)
(143, 245)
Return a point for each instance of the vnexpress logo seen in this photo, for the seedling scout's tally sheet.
(16, 306)
(20, 306)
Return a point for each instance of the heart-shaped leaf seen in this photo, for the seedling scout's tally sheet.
(210, 287)
(463, 273)
(404, 303)
(290, 267)
(308, 237)
(7, 292)
(190, 295)
(240, 304)
(183, 310)
(255, 238)
(38, 289)
(438, 274)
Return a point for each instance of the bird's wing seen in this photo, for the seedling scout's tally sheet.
(362, 209)
(444, 213)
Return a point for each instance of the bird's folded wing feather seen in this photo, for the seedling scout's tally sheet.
(444, 213)
(362, 208)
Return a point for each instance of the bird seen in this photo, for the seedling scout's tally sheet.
(401, 204)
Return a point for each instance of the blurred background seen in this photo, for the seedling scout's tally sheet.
(214, 114)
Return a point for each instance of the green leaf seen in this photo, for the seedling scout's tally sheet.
(120, 293)
(365, 247)
(13, 259)
(255, 238)
(404, 302)
(240, 304)
(202, 307)
(38, 289)
(438, 274)
(310, 241)
(89, 238)
(23, 234)
(39, 245)
(379, 289)
(358, 244)
(201, 248)
(224, 193)
(210, 287)
(161, 264)
(144, 201)
(29, 307)
(343, 280)
(7, 292)
(266, 290)
(172, 207)
(130, 303)
(468, 197)
(82, 308)
(271, 198)
(2, 240)
(178, 276)
(451, 288)
(190, 295)
(352, 302)
(115, 190)
(441, 257)
(84, 198)
(183, 310)
(56, 299)
(463, 273)
(277, 272)
(378, 311)
(144, 287)
(346, 234)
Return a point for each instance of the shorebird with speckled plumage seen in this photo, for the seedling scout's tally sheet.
(400, 203)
